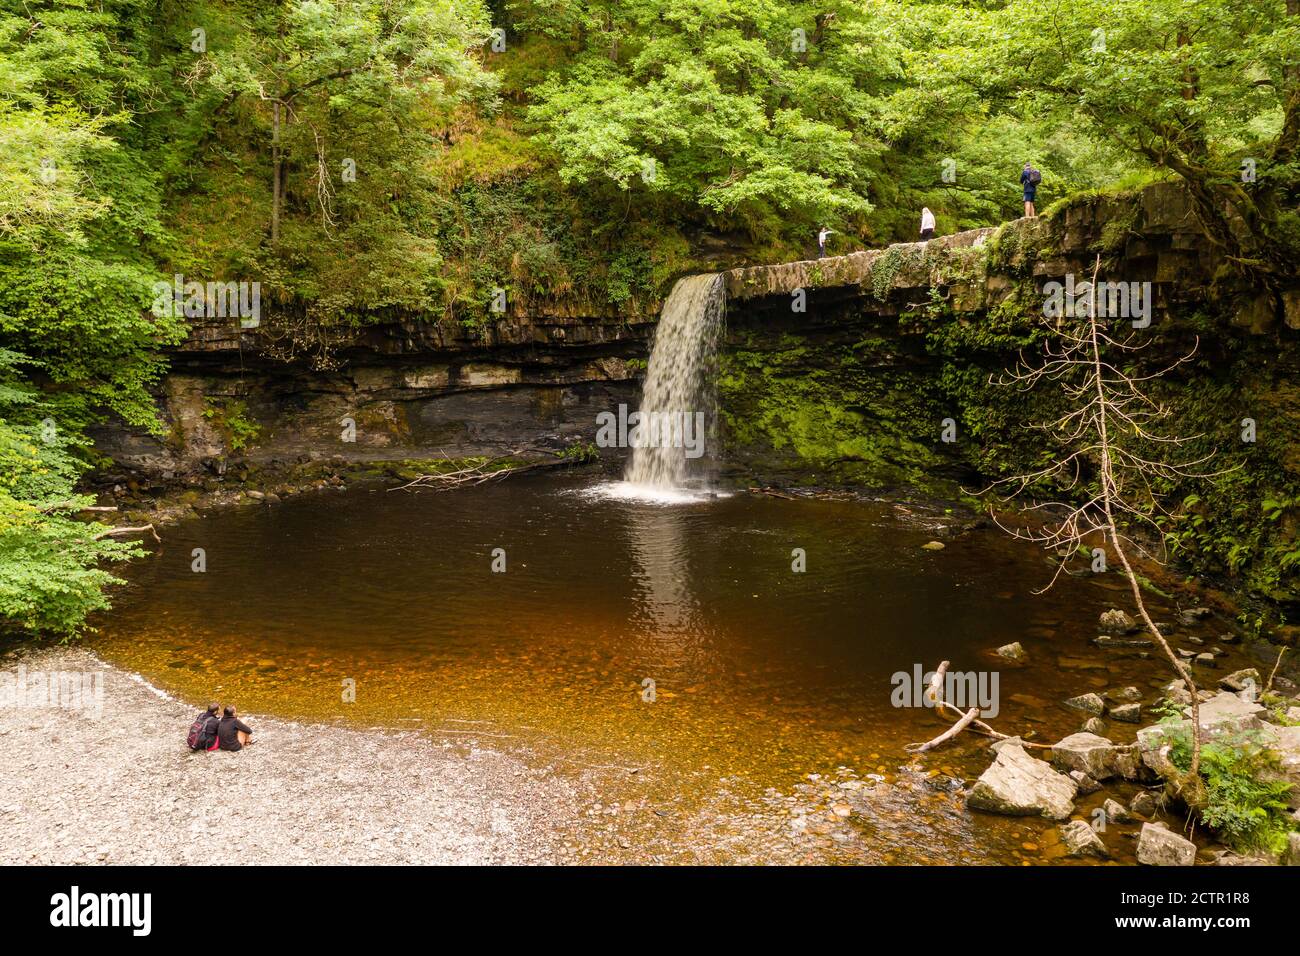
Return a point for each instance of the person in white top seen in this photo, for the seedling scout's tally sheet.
(821, 241)
(927, 223)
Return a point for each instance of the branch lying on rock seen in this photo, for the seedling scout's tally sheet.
(124, 531)
(967, 720)
(469, 475)
(771, 493)
(73, 506)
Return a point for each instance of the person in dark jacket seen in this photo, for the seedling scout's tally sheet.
(1029, 179)
(208, 735)
(233, 733)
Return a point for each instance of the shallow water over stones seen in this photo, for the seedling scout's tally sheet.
(769, 732)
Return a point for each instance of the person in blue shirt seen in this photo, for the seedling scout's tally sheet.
(1030, 178)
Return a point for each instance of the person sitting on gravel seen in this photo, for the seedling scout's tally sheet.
(233, 733)
(203, 732)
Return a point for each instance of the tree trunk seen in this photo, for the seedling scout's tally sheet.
(1288, 142)
(277, 163)
(1111, 530)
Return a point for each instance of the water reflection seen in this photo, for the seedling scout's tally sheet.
(665, 602)
(764, 675)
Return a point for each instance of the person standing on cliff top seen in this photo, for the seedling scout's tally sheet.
(821, 241)
(1030, 178)
(927, 224)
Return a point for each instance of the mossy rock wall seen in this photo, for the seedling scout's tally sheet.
(897, 349)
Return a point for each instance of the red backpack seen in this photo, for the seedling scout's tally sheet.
(196, 732)
(194, 739)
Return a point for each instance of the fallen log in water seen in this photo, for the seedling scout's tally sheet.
(124, 530)
(473, 474)
(934, 692)
(771, 493)
(947, 735)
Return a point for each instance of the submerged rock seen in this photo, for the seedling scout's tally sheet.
(1240, 680)
(1116, 812)
(1177, 691)
(1088, 703)
(1128, 764)
(1146, 803)
(1111, 640)
(1127, 713)
(1116, 622)
(1082, 840)
(1079, 664)
(1087, 753)
(1157, 846)
(1020, 785)
(943, 783)
(1013, 652)
(1084, 782)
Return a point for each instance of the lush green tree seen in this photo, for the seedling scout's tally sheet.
(51, 574)
(1207, 90)
(782, 115)
(76, 208)
(744, 109)
(326, 66)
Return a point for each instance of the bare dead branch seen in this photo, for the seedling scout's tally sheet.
(1103, 442)
(467, 476)
(947, 735)
(123, 531)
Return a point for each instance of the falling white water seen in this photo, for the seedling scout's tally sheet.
(679, 383)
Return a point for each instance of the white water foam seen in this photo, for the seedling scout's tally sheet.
(680, 381)
(651, 494)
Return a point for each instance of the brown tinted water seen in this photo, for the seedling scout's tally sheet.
(762, 676)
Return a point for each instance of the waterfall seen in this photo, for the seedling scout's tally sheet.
(679, 399)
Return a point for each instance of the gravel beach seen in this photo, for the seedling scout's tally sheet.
(120, 787)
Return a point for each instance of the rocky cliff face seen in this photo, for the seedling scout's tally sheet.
(872, 368)
(401, 389)
(879, 368)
